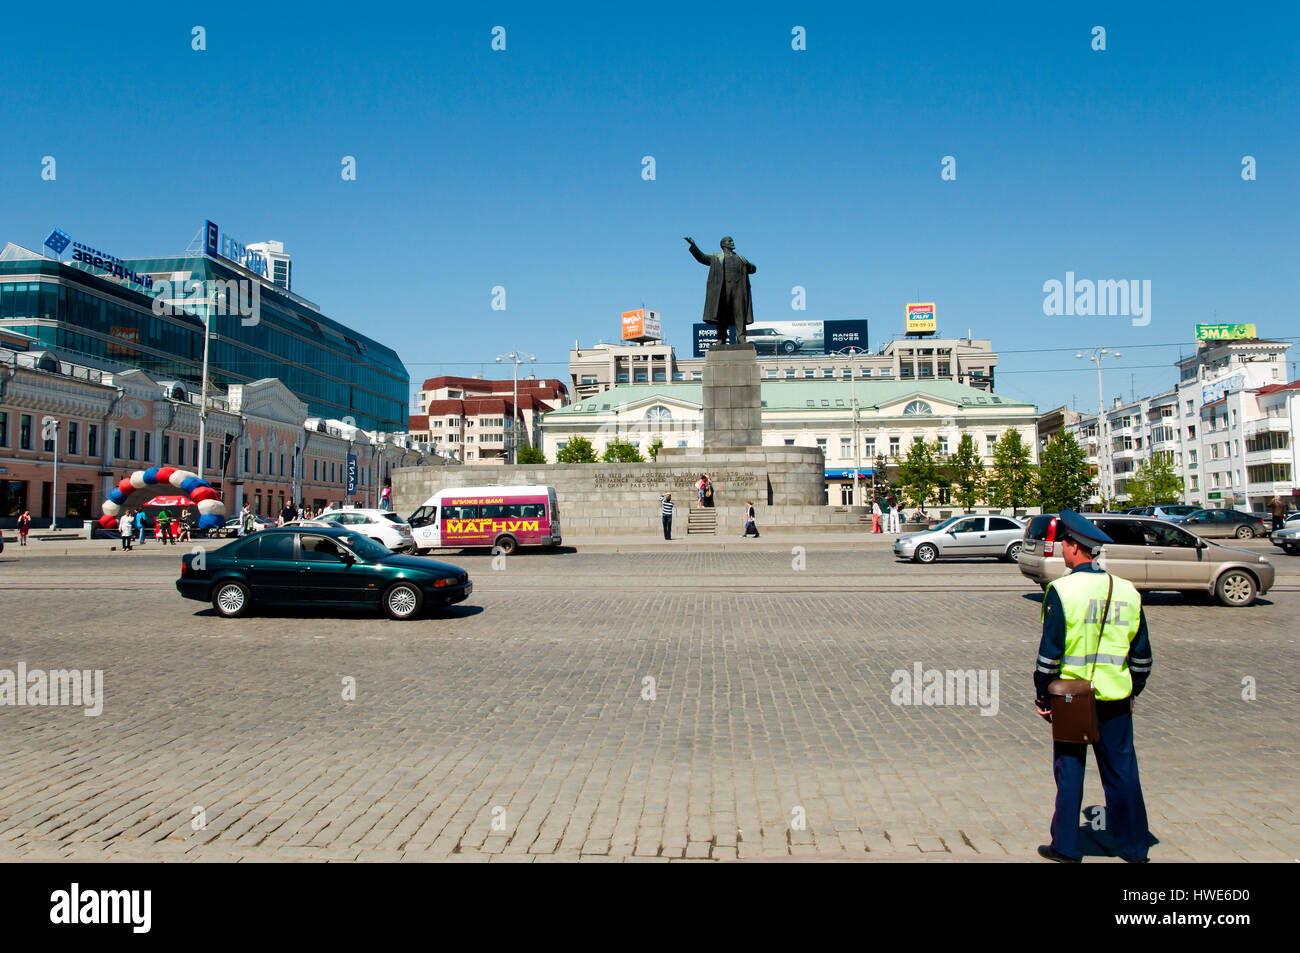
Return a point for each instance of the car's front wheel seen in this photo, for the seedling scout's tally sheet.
(1013, 552)
(402, 601)
(231, 599)
(1291, 550)
(1236, 587)
(1245, 532)
(926, 553)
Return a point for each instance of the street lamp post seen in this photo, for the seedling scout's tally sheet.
(857, 450)
(50, 427)
(1103, 446)
(516, 358)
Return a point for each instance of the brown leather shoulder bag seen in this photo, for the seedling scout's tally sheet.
(1074, 701)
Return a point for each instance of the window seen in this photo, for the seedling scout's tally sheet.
(972, 524)
(461, 512)
(821, 445)
(320, 549)
(1001, 522)
(943, 446)
(846, 446)
(130, 445)
(25, 432)
(870, 448)
(789, 441)
(148, 439)
(315, 469)
(275, 546)
(207, 455)
(259, 461)
(46, 445)
(893, 446)
(4, 429)
(92, 440)
(166, 450)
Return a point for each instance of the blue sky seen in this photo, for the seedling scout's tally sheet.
(522, 168)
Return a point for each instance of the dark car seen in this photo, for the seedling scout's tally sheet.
(1212, 523)
(303, 565)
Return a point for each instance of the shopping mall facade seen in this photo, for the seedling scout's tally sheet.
(148, 314)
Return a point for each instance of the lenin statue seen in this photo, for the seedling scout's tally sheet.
(727, 302)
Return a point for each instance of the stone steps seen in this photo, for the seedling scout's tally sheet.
(702, 522)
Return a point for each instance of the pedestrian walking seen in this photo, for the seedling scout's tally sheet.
(140, 526)
(164, 520)
(893, 516)
(24, 527)
(184, 526)
(875, 516)
(126, 529)
(1277, 506)
(1094, 631)
(751, 527)
(666, 507)
(386, 495)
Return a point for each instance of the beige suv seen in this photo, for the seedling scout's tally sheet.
(1153, 554)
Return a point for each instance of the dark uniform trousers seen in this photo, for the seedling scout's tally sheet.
(1126, 812)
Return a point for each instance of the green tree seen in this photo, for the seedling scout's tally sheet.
(1155, 483)
(621, 451)
(1012, 481)
(1064, 476)
(577, 450)
(919, 474)
(656, 445)
(966, 473)
(531, 455)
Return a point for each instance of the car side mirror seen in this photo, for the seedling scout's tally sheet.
(1201, 544)
(349, 558)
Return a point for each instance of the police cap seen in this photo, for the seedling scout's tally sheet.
(1082, 531)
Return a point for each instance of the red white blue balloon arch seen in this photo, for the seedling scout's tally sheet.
(212, 512)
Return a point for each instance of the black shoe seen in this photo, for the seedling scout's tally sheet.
(1048, 852)
(1144, 860)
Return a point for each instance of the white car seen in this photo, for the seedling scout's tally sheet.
(383, 526)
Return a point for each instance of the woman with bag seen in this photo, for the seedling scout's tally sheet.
(751, 528)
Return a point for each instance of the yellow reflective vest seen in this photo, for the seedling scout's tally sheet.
(1083, 598)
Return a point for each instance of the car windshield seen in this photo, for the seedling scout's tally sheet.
(366, 548)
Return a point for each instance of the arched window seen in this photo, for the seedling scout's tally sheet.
(917, 407)
(658, 414)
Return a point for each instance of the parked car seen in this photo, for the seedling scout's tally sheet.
(1217, 523)
(1153, 555)
(772, 341)
(1173, 512)
(1288, 540)
(999, 536)
(319, 567)
(382, 526)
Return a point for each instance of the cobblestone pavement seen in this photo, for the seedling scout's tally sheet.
(520, 726)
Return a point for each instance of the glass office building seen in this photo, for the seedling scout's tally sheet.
(112, 324)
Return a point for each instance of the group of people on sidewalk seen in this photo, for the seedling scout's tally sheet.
(892, 524)
(133, 525)
(704, 491)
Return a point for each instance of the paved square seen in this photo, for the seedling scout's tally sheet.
(677, 704)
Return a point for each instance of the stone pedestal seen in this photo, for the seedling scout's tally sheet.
(733, 416)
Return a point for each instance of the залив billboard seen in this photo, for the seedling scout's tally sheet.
(792, 338)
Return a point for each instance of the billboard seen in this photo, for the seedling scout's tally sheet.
(791, 338)
(1225, 332)
(921, 318)
(642, 325)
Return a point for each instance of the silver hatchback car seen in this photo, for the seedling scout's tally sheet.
(999, 536)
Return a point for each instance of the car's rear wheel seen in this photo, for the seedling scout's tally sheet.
(1236, 587)
(1013, 552)
(1245, 532)
(231, 599)
(506, 545)
(402, 601)
(926, 553)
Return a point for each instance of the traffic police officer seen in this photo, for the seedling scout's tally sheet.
(1119, 664)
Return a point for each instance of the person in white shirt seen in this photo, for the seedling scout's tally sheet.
(893, 516)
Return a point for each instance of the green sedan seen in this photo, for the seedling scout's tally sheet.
(318, 566)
